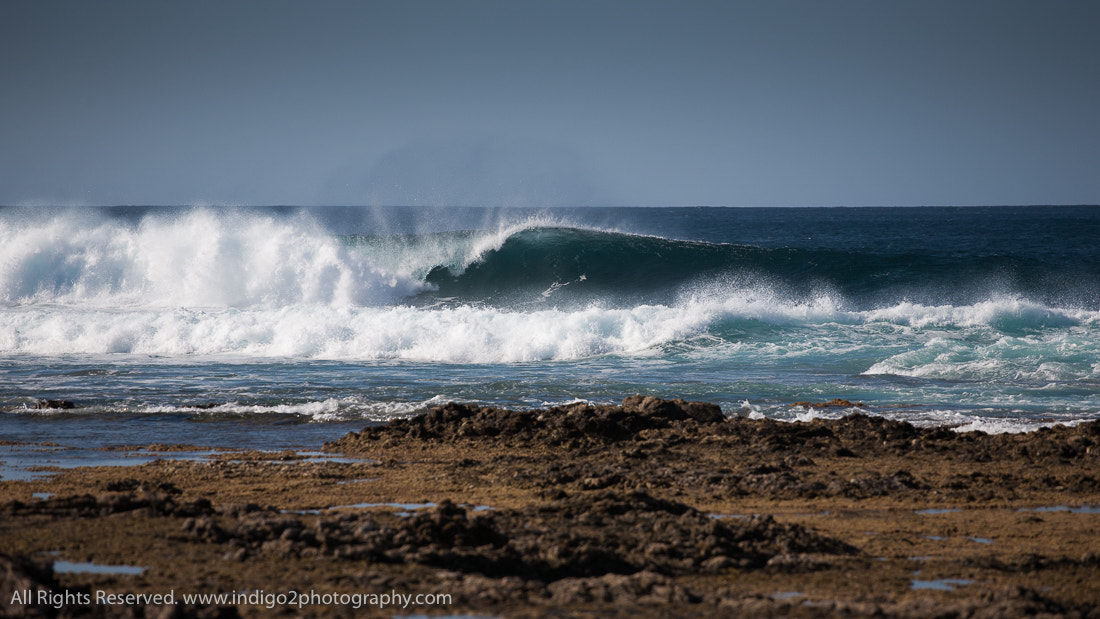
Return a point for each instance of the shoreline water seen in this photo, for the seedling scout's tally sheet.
(652, 507)
(61, 434)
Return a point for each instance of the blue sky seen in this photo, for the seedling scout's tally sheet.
(728, 103)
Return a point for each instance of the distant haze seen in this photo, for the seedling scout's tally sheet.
(605, 102)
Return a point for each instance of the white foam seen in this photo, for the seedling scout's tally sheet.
(456, 335)
(991, 425)
(1058, 355)
(469, 334)
(808, 415)
(200, 258)
(331, 409)
(757, 299)
(994, 311)
(749, 410)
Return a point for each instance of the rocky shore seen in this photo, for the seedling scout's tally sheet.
(653, 508)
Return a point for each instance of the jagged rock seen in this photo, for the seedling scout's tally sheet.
(557, 425)
(703, 412)
(834, 403)
(54, 404)
(585, 536)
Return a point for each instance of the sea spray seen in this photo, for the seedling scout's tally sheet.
(199, 258)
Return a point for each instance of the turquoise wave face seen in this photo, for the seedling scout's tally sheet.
(570, 265)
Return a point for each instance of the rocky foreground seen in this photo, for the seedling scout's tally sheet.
(652, 508)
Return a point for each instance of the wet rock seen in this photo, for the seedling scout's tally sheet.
(54, 405)
(156, 503)
(584, 536)
(780, 484)
(640, 588)
(650, 427)
(555, 426)
(874, 485)
(599, 483)
(593, 515)
(860, 429)
(796, 563)
(131, 485)
(19, 575)
(703, 412)
(834, 403)
(206, 529)
(1025, 602)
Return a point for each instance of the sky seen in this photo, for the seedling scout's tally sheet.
(550, 103)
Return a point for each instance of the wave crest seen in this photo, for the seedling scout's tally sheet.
(200, 258)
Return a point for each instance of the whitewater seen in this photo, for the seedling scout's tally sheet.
(973, 318)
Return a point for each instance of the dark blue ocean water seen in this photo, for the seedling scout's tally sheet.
(296, 325)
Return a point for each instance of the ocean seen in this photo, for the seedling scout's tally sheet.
(282, 327)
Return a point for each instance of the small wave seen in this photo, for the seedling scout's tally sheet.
(976, 421)
(1005, 313)
(976, 344)
(331, 409)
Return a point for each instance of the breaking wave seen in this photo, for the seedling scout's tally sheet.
(202, 282)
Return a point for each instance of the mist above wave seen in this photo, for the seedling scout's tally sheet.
(198, 258)
(206, 258)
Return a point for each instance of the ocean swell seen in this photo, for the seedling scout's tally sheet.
(203, 282)
(205, 258)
